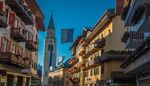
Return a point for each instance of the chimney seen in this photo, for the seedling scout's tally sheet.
(119, 6)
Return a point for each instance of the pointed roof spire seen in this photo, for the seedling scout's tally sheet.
(51, 23)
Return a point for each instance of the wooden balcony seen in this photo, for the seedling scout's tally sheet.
(120, 77)
(27, 63)
(81, 51)
(27, 57)
(32, 45)
(81, 65)
(73, 61)
(85, 43)
(86, 66)
(21, 62)
(113, 55)
(94, 62)
(8, 58)
(3, 19)
(84, 56)
(74, 79)
(74, 70)
(133, 39)
(100, 43)
(19, 34)
(21, 10)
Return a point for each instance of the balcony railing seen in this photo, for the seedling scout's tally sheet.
(87, 79)
(133, 39)
(10, 53)
(81, 65)
(21, 62)
(32, 45)
(86, 65)
(85, 43)
(120, 77)
(81, 51)
(27, 57)
(113, 55)
(8, 57)
(73, 60)
(27, 63)
(74, 70)
(19, 34)
(94, 62)
(74, 79)
(21, 10)
(100, 43)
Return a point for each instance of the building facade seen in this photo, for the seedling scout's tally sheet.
(99, 52)
(50, 52)
(19, 25)
(59, 77)
(136, 16)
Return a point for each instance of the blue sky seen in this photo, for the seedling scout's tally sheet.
(70, 14)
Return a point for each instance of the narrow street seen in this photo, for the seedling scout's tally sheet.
(74, 43)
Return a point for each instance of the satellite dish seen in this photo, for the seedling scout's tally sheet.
(61, 59)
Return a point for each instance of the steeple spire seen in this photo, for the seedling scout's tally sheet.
(51, 23)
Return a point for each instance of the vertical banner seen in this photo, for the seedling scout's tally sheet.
(67, 35)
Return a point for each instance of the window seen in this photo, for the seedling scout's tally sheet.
(102, 69)
(102, 36)
(50, 41)
(91, 72)
(86, 73)
(109, 31)
(96, 71)
(50, 47)
(102, 51)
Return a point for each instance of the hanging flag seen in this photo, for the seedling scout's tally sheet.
(67, 35)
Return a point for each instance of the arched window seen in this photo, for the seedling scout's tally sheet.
(50, 47)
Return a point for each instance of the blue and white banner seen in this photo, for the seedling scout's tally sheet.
(67, 35)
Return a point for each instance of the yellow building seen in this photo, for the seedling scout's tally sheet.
(59, 77)
(56, 77)
(100, 52)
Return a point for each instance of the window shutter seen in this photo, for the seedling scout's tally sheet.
(11, 19)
